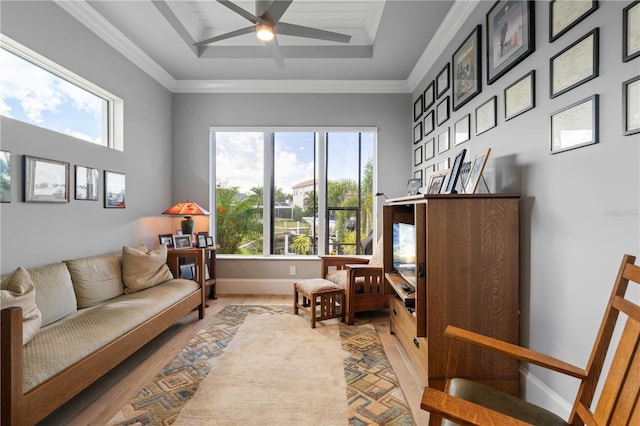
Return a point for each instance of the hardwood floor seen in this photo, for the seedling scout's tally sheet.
(102, 400)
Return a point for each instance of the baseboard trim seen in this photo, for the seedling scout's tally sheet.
(255, 286)
(537, 392)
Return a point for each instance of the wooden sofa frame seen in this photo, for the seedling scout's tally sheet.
(19, 408)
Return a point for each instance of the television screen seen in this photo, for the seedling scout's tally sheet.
(404, 251)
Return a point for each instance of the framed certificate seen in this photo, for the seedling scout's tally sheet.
(429, 149)
(417, 156)
(576, 64)
(631, 106)
(564, 15)
(486, 116)
(631, 31)
(466, 69)
(575, 126)
(520, 96)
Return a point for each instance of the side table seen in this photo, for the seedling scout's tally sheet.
(204, 260)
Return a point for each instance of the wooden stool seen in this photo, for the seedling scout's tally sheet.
(320, 297)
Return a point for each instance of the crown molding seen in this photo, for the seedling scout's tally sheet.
(291, 86)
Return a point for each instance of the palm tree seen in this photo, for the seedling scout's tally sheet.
(237, 218)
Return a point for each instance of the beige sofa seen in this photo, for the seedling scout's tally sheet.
(80, 318)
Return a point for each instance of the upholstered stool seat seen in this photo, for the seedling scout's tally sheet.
(321, 299)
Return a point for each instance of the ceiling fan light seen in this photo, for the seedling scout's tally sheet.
(264, 32)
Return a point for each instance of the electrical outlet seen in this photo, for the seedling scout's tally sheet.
(292, 270)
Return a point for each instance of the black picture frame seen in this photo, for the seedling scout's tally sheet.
(462, 130)
(428, 96)
(444, 141)
(577, 115)
(631, 126)
(442, 111)
(86, 183)
(201, 240)
(209, 241)
(565, 15)
(417, 108)
(455, 173)
(44, 180)
(629, 52)
(486, 115)
(418, 175)
(520, 96)
(417, 156)
(442, 81)
(5, 176)
(429, 149)
(571, 60)
(502, 27)
(428, 123)
(417, 132)
(467, 69)
(115, 189)
(166, 239)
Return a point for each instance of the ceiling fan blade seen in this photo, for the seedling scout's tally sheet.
(262, 6)
(276, 10)
(240, 11)
(308, 32)
(276, 53)
(226, 36)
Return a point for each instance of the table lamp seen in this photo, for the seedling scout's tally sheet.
(186, 209)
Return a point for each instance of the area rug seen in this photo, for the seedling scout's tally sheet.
(372, 394)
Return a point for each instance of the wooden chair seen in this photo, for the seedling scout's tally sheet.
(467, 402)
(362, 278)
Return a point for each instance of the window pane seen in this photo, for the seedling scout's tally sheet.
(239, 175)
(294, 202)
(33, 95)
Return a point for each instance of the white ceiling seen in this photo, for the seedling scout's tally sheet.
(388, 52)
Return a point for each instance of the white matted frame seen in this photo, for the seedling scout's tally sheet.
(477, 167)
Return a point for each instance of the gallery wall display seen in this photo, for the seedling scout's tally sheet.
(520, 96)
(575, 65)
(442, 81)
(428, 96)
(564, 15)
(5, 177)
(86, 183)
(417, 156)
(44, 180)
(114, 190)
(575, 126)
(486, 115)
(631, 31)
(631, 106)
(466, 64)
(510, 36)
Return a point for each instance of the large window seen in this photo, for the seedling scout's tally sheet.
(293, 192)
(37, 91)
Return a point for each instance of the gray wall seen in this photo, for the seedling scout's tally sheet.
(36, 234)
(579, 211)
(194, 114)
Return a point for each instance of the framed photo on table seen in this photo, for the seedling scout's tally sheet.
(631, 31)
(182, 242)
(631, 106)
(45, 181)
(564, 15)
(475, 173)
(201, 240)
(166, 239)
(429, 149)
(520, 96)
(575, 126)
(413, 186)
(575, 65)
(436, 181)
(467, 69)
(510, 36)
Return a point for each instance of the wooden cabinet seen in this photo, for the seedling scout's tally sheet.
(467, 274)
(204, 262)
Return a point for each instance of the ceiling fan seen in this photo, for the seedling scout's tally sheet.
(266, 24)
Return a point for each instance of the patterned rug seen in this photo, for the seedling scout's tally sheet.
(373, 392)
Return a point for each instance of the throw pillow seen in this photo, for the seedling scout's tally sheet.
(96, 278)
(20, 291)
(142, 270)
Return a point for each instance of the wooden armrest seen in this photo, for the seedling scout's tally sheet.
(464, 412)
(363, 267)
(514, 351)
(343, 260)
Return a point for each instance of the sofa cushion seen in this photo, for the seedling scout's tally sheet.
(54, 292)
(142, 270)
(18, 290)
(95, 279)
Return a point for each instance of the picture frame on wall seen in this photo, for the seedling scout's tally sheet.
(86, 183)
(443, 164)
(442, 111)
(575, 65)
(631, 31)
(475, 172)
(428, 123)
(510, 36)
(486, 115)
(418, 175)
(520, 96)
(417, 156)
(442, 81)
(461, 130)
(564, 15)
(429, 149)
(467, 73)
(417, 108)
(443, 141)
(631, 106)
(428, 96)
(114, 190)
(417, 132)
(5, 176)
(45, 180)
(575, 126)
